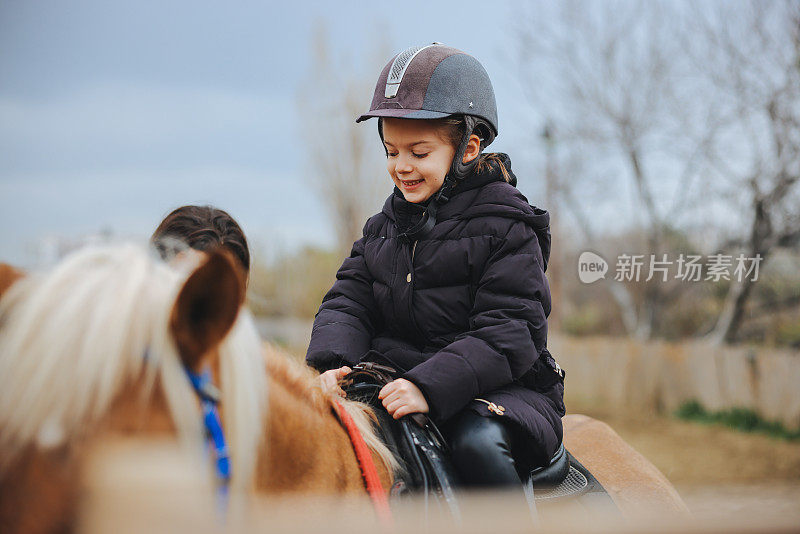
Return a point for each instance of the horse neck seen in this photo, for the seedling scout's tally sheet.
(307, 450)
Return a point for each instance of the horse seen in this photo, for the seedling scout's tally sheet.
(100, 349)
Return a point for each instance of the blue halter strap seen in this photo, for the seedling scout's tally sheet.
(209, 398)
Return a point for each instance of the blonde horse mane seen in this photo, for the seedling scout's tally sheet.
(71, 338)
(301, 381)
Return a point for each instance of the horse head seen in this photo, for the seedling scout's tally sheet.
(103, 346)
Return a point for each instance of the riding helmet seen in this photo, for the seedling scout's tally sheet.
(436, 81)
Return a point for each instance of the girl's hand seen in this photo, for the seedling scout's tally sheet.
(401, 397)
(329, 380)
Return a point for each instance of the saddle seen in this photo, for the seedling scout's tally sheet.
(423, 453)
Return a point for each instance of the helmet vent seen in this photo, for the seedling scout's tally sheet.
(398, 69)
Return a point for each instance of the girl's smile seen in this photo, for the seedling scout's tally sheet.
(409, 185)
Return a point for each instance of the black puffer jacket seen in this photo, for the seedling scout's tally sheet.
(462, 311)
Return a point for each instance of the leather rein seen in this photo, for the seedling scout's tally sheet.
(366, 462)
(369, 472)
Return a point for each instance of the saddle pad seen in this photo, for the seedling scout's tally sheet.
(578, 483)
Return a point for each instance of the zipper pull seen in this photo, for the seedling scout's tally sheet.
(413, 250)
(492, 407)
(496, 408)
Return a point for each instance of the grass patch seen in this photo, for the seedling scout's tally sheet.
(741, 419)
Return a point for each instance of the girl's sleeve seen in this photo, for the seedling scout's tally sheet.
(345, 323)
(508, 329)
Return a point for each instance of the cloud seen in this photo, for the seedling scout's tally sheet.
(106, 124)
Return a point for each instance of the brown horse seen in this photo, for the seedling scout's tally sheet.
(633, 482)
(96, 352)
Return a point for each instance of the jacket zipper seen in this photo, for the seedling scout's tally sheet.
(410, 280)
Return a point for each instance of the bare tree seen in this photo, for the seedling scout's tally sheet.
(697, 108)
(749, 54)
(607, 75)
(344, 159)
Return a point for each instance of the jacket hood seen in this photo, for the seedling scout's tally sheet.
(484, 194)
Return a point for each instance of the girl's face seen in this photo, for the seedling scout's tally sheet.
(418, 157)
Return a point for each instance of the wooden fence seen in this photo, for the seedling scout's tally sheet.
(659, 376)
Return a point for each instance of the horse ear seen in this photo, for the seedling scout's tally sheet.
(8, 275)
(206, 308)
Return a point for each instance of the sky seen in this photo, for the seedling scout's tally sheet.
(113, 113)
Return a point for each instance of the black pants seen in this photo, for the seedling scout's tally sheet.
(488, 452)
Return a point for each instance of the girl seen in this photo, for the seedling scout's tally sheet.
(447, 284)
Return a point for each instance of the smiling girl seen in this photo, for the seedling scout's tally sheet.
(447, 284)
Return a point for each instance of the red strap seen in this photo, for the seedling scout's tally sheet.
(368, 469)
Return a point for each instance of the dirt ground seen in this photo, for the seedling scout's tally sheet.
(695, 454)
(719, 472)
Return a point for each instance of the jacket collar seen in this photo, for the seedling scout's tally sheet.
(484, 194)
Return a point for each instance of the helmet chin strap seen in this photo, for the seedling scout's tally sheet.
(428, 220)
(458, 169)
